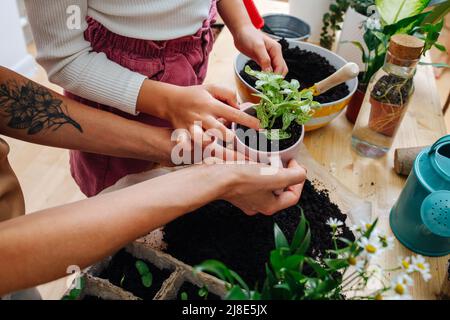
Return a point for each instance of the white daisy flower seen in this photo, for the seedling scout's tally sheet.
(400, 287)
(371, 247)
(362, 227)
(334, 223)
(405, 264)
(419, 264)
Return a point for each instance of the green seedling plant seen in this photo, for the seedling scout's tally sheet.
(281, 99)
(347, 271)
(144, 272)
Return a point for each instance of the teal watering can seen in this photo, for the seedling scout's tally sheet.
(420, 219)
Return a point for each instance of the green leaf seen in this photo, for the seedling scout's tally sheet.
(316, 267)
(220, 270)
(392, 11)
(303, 248)
(287, 119)
(236, 293)
(293, 262)
(147, 280)
(216, 268)
(239, 280)
(277, 135)
(336, 264)
(404, 26)
(280, 238)
(276, 260)
(440, 47)
(299, 234)
(142, 267)
(203, 292)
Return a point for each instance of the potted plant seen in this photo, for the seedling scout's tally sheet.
(347, 271)
(283, 110)
(391, 18)
(309, 64)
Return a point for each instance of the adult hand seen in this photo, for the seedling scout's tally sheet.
(261, 48)
(253, 191)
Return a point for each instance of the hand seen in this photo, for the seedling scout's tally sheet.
(253, 192)
(209, 105)
(261, 48)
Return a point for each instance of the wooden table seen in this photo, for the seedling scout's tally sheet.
(373, 180)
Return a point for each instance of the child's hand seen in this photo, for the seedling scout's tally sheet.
(196, 109)
(261, 48)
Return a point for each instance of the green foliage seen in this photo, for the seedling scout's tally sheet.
(280, 98)
(392, 11)
(184, 296)
(144, 272)
(335, 16)
(399, 17)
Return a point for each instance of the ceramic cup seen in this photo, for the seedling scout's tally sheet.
(277, 159)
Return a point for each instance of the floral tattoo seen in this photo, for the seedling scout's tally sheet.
(33, 108)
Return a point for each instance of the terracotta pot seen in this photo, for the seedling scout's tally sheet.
(354, 105)
(276, 158)
(385, 118)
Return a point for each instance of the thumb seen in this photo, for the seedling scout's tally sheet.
(294, 174)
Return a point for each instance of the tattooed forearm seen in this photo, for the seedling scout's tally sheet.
(31, 107)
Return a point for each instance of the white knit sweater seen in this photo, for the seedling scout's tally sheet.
(69, 59)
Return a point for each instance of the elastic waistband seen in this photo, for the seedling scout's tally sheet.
(101, 38)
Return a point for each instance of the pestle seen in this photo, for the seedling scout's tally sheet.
(346, 73)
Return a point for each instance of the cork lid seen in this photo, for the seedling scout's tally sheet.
(406, 47)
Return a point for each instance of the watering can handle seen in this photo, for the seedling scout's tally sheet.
(442, 140)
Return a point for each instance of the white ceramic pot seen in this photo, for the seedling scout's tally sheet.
(312, 12)
(277, 158)
(352, 30)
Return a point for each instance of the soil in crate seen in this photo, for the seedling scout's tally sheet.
(308, 68)
(223, 232)
(257, 140)
(122, 272)
(192, 292)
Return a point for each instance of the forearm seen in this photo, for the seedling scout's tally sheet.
(38, 248)
(154, 97)
(234, 14)
(70, 60)
(34, 113)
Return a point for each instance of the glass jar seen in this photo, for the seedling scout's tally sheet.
(387, 97)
